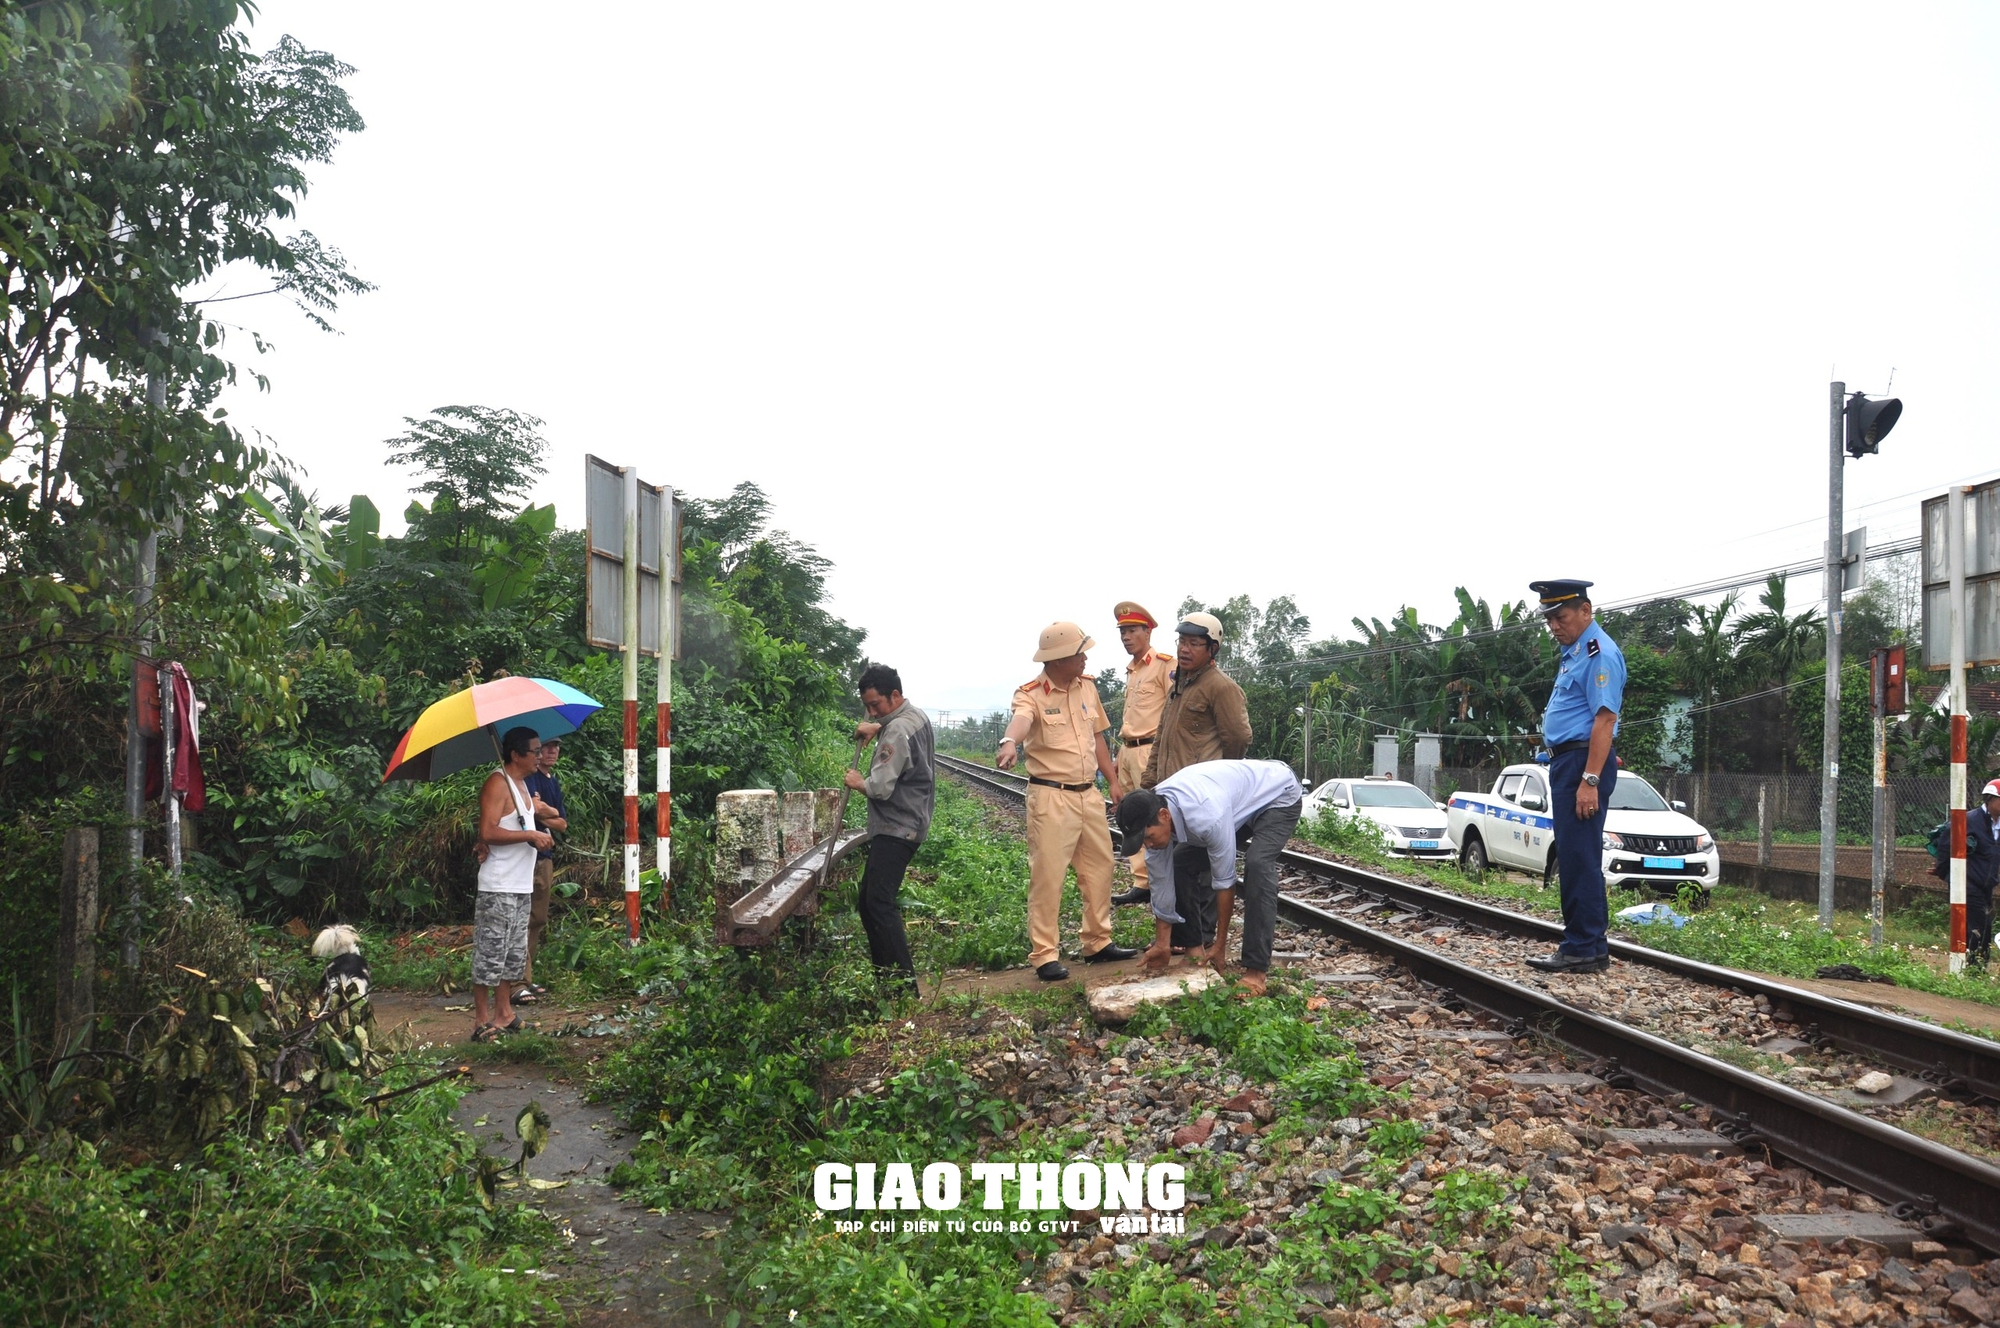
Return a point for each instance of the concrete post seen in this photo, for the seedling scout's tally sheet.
(1429, 754)
(76, 934)
(799, 806)
(826, 810)
(1386, 755)
(747, 842)
(1763, 823)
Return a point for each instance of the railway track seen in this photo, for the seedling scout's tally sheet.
(1925, 1181)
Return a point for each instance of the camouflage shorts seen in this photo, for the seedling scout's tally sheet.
(500, 937)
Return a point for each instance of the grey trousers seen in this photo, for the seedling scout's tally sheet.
(1193, 900)
(1261, 840)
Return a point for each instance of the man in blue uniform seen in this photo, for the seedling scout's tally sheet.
(1579, 726)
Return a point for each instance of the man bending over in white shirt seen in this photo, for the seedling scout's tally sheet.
(1222, 806)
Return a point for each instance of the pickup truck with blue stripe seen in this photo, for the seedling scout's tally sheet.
(1648, 843)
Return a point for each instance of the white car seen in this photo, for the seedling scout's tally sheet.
(1411, 823)
(1647, 843)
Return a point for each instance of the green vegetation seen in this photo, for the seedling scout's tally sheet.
(1782, 937)
(382, 1219)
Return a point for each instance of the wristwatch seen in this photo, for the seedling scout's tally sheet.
(1590, 780)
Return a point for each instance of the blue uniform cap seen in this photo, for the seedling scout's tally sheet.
(1555, 594)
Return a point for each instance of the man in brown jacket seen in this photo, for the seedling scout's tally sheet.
(1206, 719)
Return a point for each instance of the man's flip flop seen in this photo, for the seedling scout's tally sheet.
(525, 996)
(513, 1027)
(485, 1033)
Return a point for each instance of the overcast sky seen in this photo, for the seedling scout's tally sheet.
(1017, 311)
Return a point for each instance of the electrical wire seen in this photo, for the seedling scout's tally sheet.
(1698, 590)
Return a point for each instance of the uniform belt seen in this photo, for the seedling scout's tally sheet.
(1559, 748)
(1056, 783)
(1136, 742)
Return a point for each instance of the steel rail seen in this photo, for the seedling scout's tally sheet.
(1935, 1182)
(1945, 1189)
(1953, 1060)
(1944, 1056)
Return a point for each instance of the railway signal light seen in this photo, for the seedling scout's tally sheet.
(1869, 422)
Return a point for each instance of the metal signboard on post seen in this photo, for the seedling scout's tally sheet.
(632, 532)
(604, 526)
(1980, 533)
(1961, 579)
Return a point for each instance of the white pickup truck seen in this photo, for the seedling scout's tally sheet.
(1646, 842)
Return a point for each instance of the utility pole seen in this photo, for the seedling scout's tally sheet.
(135, 738)
(1858, 428)
(1836, 543)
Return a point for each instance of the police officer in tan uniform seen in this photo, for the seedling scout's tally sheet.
(1060, 722)
(1148, 677)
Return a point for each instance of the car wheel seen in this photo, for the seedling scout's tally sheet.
(1472, 858)
(1551, 877)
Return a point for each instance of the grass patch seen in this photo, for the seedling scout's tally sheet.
(1780, 937)
(381, 1221)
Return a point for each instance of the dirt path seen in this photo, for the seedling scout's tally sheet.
(624, 1264)
(1946, 1010)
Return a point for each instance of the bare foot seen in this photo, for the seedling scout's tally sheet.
(1156, 958)
(1251, 981)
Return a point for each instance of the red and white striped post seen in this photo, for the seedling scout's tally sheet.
(630, 475)
(1955, 543)
(663, 720)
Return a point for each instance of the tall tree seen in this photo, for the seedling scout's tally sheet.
(477, 464)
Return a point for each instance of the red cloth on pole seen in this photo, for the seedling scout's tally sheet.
(189, 786)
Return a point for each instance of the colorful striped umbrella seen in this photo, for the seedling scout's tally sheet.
(464, 729)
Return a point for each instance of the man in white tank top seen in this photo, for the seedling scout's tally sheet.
(506, 884)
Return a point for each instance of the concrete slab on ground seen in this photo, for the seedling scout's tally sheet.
(1876, 1228)
(1667, 1141)
(1902, 1090)
(1116, 1003)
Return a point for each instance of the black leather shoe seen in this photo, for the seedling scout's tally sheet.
(1052, 972)
(1133, 896)
(1562, 963)
(1110, 954)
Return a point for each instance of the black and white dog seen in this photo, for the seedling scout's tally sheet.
(346, 975)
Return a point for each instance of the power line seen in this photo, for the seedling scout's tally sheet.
(1699, 590)
(1623, 727)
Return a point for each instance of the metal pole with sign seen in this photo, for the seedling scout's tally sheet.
(663, 718)
(1961, 562)
(1886, 689)
(632, 606)
(629, 635)
(1829, 782)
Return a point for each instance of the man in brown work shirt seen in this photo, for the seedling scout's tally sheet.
(1206, 719)
(1148, 676)
(1059, 717)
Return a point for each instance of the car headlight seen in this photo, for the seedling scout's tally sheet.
(1613, 841)
(1703, 843)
